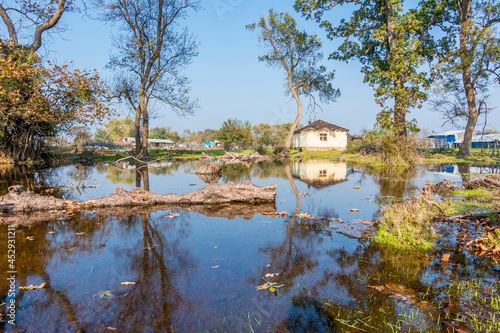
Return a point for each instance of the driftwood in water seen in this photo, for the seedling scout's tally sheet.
(227, 210)
(210, 168)
(229, 158)
(442, 188)
(490, 182)
(18, 201)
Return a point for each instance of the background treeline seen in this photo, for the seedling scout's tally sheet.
(231, 131)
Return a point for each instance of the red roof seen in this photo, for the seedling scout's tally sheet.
(320, 125)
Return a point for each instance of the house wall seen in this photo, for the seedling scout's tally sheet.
(310, 140)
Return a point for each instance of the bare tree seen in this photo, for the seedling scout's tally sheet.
(152, 53)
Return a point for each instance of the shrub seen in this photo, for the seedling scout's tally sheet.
(407, 226)
(260, 149)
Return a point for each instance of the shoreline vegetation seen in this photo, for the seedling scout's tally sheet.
(67, 155)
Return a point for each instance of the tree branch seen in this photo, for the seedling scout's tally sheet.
(37, 43)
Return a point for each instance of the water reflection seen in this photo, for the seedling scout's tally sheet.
(320, 174)
(198, 271)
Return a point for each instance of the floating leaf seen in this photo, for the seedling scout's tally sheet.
(172, 215)
(215, 266)
(270, 275)
(356, 187)
(354, 210)
(274, 213)
(271, 286)
(445, 257)
(32, 287)
(127, 283)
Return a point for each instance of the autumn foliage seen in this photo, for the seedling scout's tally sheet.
(40, 101)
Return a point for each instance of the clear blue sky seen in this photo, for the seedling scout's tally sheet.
(227, 77)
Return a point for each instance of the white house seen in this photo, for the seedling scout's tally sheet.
(320, 135)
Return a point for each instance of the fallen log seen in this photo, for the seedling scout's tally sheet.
(226, 210)
(18, 200)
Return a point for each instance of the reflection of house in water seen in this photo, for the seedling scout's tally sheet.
(319, 174)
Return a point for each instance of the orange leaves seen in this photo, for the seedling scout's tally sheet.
(40, 100)
(445, 258)
(275, 213)
(32, 287)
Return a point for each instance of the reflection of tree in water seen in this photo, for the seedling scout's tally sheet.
(117, 174)
(269, 169)
(237, 172)
(296, 256)
(396, 182)
(26, 176)
(34, 260)
(464, 169)
(158, 261)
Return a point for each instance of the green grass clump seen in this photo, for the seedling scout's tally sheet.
(492, 239)
(406, 226)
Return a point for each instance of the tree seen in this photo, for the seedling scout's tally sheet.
(38, 103)
(472, 63)
(81, 134)
(29, 18)
(152, 53)
(297, 53)
(235, 131)
(115, 130)
(391, 43)
(165, 133)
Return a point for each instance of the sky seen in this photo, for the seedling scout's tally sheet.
(230, 82)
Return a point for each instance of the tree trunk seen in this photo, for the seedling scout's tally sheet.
(145, 133)
(399, 111)
(289, 137)
(466, 146)
(143, 110)
(137, 132)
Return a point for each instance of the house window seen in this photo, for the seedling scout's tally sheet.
(323, 136)
(322, 173)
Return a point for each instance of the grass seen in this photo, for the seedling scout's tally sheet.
(407, 226)
(482, 304)
(450, 155)
(472, 201)
(492, 239)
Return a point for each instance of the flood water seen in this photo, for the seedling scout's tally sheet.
(199, 271)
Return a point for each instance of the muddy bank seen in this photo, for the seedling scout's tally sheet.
(20, 201)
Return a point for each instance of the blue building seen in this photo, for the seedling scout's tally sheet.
(448, 139)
